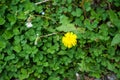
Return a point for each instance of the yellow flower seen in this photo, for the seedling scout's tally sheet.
(69, 39)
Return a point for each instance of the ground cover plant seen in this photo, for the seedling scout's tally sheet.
(59, 39)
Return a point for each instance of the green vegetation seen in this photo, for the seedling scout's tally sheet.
(31, 34)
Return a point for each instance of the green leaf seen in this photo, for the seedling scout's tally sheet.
(1, 56)
(118, 73)
(46, 64)
(29, 6)
(54, 78)
(69, 8)
(2, 44)
(96, 75)
(21, 15)
(94, 24)
(87, 6)
(97, 52)
(16, 40)
(67, 27)
(14, 2)
(24, 74)
(77, 13)
(11, 18)
(80, 54)
(17, 48)
(78, 21)
(84, 66)
(103, 30)
(114, 18)
(10, 57)
(115, 40)
(64, 19)
(69, 1)
(111, 51)
(7, 34)
(27, 49)
(104, 63)
(34, 50)
(39, 69)
(62, 53)
(30, 34)
(3, 8)
(2, 21)
(51, 50)
(88, 24)
(66, 60)
(110, 66)
(16, 31)
(38, 9)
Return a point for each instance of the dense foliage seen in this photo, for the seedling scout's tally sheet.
(37, 52)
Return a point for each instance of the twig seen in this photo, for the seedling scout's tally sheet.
(41, 2)
(38, 37)
(109, 5)
(36, 40)
(46, 18)
(77, 76)
(82, 5)
(48, 35)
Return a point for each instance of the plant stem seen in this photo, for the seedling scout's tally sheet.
(38, 37)
(82, 5)
(41, 2)
(49, 34)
